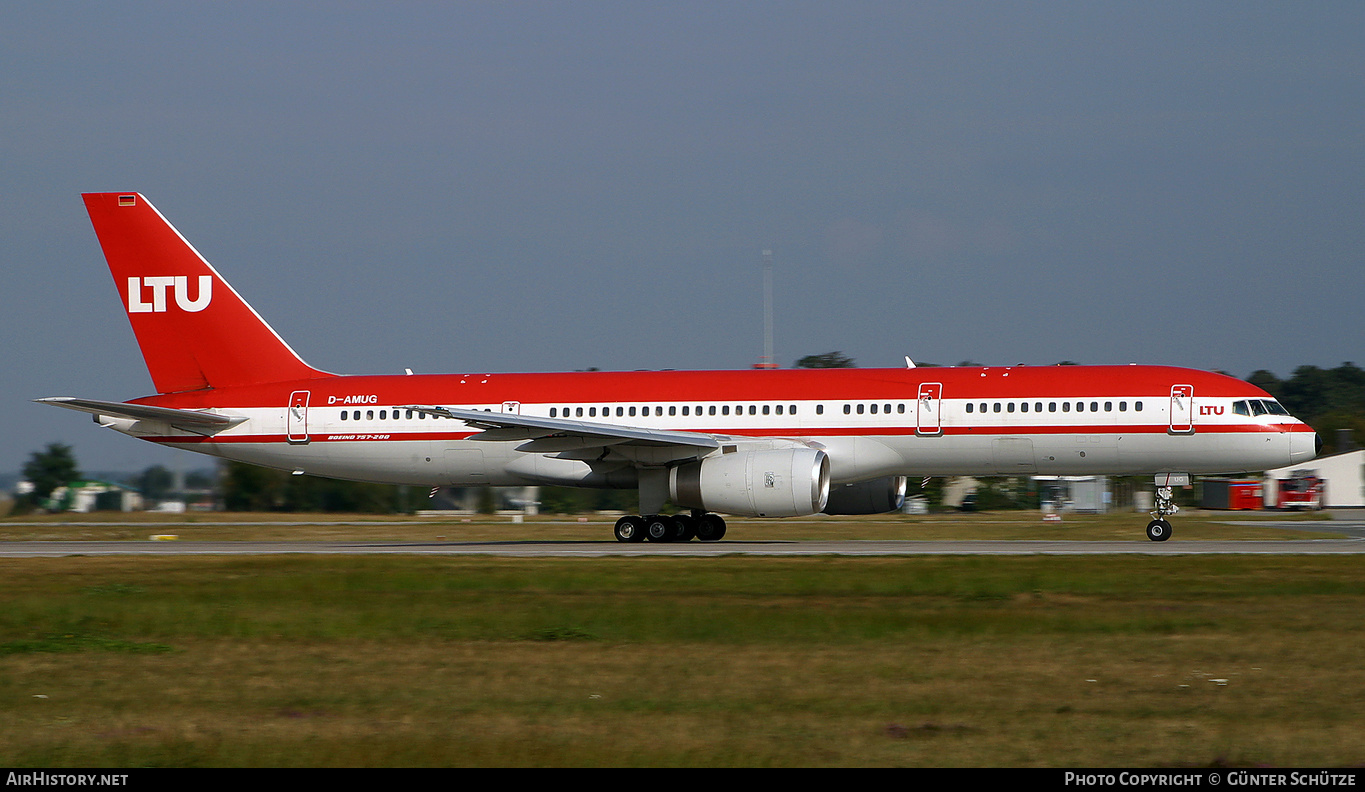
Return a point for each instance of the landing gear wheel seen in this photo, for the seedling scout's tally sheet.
(630, 529)
(1158, 530)
(710, 527)
(687, 527)
(660, 528)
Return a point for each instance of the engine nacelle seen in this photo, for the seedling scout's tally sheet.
(874, 496)
(789, 482)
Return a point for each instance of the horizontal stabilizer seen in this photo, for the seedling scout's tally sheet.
(189, 420)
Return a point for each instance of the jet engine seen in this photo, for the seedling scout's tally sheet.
(874, 496)
(789, 482)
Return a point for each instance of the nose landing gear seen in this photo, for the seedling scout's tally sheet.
(1159, 529)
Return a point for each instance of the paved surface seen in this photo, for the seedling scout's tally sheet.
(570, 549)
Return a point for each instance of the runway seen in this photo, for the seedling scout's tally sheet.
(598, 549)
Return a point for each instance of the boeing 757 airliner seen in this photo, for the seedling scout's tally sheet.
(758, 443)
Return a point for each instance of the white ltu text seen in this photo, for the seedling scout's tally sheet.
(178, 284)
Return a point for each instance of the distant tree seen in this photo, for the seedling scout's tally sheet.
(53, 467)
(154, 483)
(488, 502)
(252, 488)
(827, 360)
(201, 479)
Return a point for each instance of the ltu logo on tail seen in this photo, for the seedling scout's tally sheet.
(176, 283)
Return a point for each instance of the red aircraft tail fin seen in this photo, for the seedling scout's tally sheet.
(195, 331)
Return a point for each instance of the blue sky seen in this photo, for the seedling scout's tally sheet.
(538, 186)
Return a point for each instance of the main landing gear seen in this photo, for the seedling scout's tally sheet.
(1159, 529)
(676, 528)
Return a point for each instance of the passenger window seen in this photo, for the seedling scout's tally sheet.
(969, 407)
(1052, 406)
(344, 415)
(997, 406)
(672, 410)
(874, 409)
(860, 409)
(685, 411)
(779, 409)
(1009, 407)
(752, 410)
(886, 408)
(791, 409)
(724, 410)
(1137, 406)
(765, 409)
(1094, 406)
(1066, 406)
(819, 409)
(712, 410)
(900, 408)
(1108, 406)
(1023, 407)
(552, 412)
(620, 411)
(1123, 406)
(847, 409)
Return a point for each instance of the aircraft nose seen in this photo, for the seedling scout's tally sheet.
(1303, 447)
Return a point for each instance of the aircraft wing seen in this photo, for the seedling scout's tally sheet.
(511, 426)
(189, 420)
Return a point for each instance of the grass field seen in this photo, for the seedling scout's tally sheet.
(916, 661)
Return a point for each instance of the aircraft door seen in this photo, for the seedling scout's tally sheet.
(928, 419)
(1182, 409)
(511, 407)
(296, 417)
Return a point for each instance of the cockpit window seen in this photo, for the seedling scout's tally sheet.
(1274, 408)
(1241, 408)
(1258, 407)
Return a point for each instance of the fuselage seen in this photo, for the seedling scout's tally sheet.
(1020, 420)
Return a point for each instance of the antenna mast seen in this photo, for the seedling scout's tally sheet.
(767, 361)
